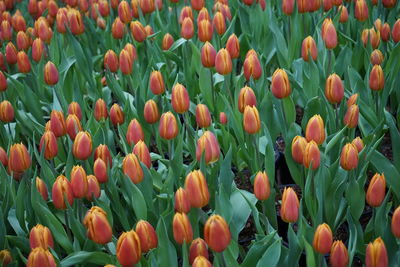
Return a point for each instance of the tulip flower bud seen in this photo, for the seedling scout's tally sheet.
(116, 115)
(118, 28)
(329, 35)
(339, 256)
(201, 261)
(309, 49)
(395, 226)
(315, 129)
(124, 12)
(205, 30)
(287, 7)
(100, 110)
(389, 3)
(180, 99)
(198, 249)
(40, 236)
(100, 170)
(22, 41)
(182, 228)
(42, 188)
(208, 55)
(280, 85)
(197, 4)
(129, 250)
(216, 233)
(372, 36)
(48, 144)
(187, 28)
(376, 254)
(252, 67)
(246, 98)
(323, 239)
(261, 186)
(203, 117)
(82, 147)
(134, 132)
(251, 120)
(167, 42)
(93, 188)
(125, 62)
(142, 152)
(111, 61)
(6, 112)
(351, 116)
(290, 205)
(57, 123)
(62, 188)
(74, 108)
(361, 10)
(208, 144)
(299, 144)
(11, 53)
(103, 153)
(38, 51)
(156, 83)
(219, 23)
(222, 118)
(223, 62)
(97, 225)
(75, 22)
(358, 142)
(5, 257)
(385, 32)
(104, 8)
(303, 6)
(73, 125)
(376, 190)
(131, 50)
(151, 114)
(349, 157)
(396, 31)
(131, 168)
(79, 182)
(186, 12)
(6, 30)
(376, 57)
(311, 157)
(24, 65)
(334, 90)
(19, 159)
(197, 189)
(147, 236)
(376, 78)
(233, 46)
(344, 14)
(40, 257)
(3, 82)
(352, 100)
(182, 201)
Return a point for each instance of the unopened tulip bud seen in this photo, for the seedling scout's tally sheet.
(111, 61)
(167, 42)
(299, 144)
(6, 112)
(50, 73)
(385, 32)
(358, 142)
(312, 155)
(128, 249)
(134, 132)
(216, 233)
(24, 65)
(352, 100)
(151, 113)
(73, 126)
(100, 170)
(376, 254)
(252, 67)
(74, 108)
(323, 239)
(222, 118)
(376, 57)
(22, 41)
(396, 31)
(180, 99)
(79, 183)
(40, 257)
(315, 129)
(376, 190)
(40, 236)
(186, 12)
(223, 62)
(182, 228)
(395, 225)
(57, 123)
(197, 189)
(103, 153)
(147, 236)
(197, 249)
(372, 36)
(97, 225)
(205, 30)
(201, 261)
(125, 62)
(11, 53)
(187, 28)
(251, 120)
(309, 49)
(303, 6)
(131, 50)
(93, 188)
(246, 98)
(19, 159)
(48, 144)
(287, 7)
(182, 201)
(3, 82)
(100, 110)
(142, 152)
(329, 35)
(334, 89)
(339, 256)
(82, 147)
(124, 12)
(147, 6)
(118, 29)
(361, 10)
(233, 46)
(75, 22)
(62, 192)
(261, 186)
(208, 55)
(42, 188)
(280, 85)
(203, 117)
(351, 116)
(6, 30)
(131, 168)
(389, 3)
(376, 78)
(116, 115)
(219, 23)
(290, 206)
(208, 144)
(156, 83)
(5, 257)
(38, 50)
(344, 14)
(349, 157)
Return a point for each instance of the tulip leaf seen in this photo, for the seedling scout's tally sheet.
(137, 201)
(271, 255)
(241, 211)
(309, 253)
(289, 109)
(20, 203)
(225, 174)
(81, 257)
(205, 84)
(257, 250)
(166, 253)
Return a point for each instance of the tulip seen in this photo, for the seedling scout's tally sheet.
(11, 53)
(339, 256)
(287, 7)
(57, 123)
(376, 254)
(361, 10)
(372, 36)
(5, 257)
(129, 250)
(344, 14)
(182, 229)
(75, 22)
(182, 201)
(208, 55)
(186, 12)
(100, 110)
(349, 157)
(147, 236)
(222, 118)
(376, 190)
(125, 62)
(124, 12)
(351, 116)
(329, 35)
(41, 188)
(311, 157)
(82, 147)
(151, 114)
(118, 28)
(48, 144)
(358, 142)
(156, 83)
(352, 100)
(180, 99)
(197, 4)
(111, 61)
(197, 189)
(251, 120)
(385, 32)
(3, 82)
(246, 98)
(22, 41)
(116, 115)
(334, 89)
(42, 29)
(3, 157)
(205, 30)
(303, 6)
(40, 236)
(73, 125)
(315, 129)
(74, 108)
(376, 78)
(100, 170)
(130, 48)
(219, 23)
(198, 248)
(396, 31)
(187, 28)
(147, 6)
(309, 49)
(290, 206)
(395, 225)
(79, 182)
(233, 46)
(203, 117)
(142, 152)
(6, 111)
(201, 261)
(24, 66)
(19, 159)
(93, 188)
(389, 3)
(62, 20)
(6, 30)
(223, 62)
(167, 42)
(261, 186)
(323, 239)
(299, 144)
(252, 67)
(208, 144)
(52, 8)
(97, 225)
(62, 189)
(103, 153)
(134, 133)
(138, 31)
(376, 57)
(131, 168)
(104, 8)
(40, 257)
(216, 233)
(280, 85)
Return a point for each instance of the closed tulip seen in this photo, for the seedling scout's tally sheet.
(216, 233)
(329, 35)
(167, 41)
(40, 257)
(222, 118)
(57, 123)
(334, 89)
(395, 225)
(252, 67)
(75, 22)
(280, 85)
(246, 98)
(309, 49)
(299, 144)
(203, 117)
(93, 188)
(187, 28)
(156, 83)
(197, 189)
(73, 125)
(376, 254)
(197, 4)
(182, 229)
(396, 31)
(219, 23)
(97, 225)
(147, 236)
(116, 115)
(376, 78)
(376, 190)
(233, 46)
(24, 65)
(385, 32)
(223, 62)
(82, 147)
(208, 144)
(290, 206)
(100, 170)
(168, 127)
(376, 57)
(50, 73)
(100, 110)
(208, 55)
(352, 100)
(6, 112)
(315, 129)
(150, 111)
(182, 200)
(103, 153)
(3, 82)
(205, 30)
(125, 62)
(41, 188)
(303, 6)
(344, 14)
(11, 53)
(186, 12)
(74, 108)
(134, 132)
(40, 236)
(5, 257)
(138, 31)
(323, 239)
(351, 116)
(111, 61)
(180, 99)
(251, 120)
(372, 36)
(48, 144)
(22, 41)
(261, 186)
(124, 12)
(287, 7)
(198, 248)
(131, 168)
(118, 29)
(19, 160)
(61, 192)
(79, 182)
(349, 157)
(339, 257)
(358, 142)
(128, 249)
(130, 48)
(312, 155)
(142, 152)
(361, 10)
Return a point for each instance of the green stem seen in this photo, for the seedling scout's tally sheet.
(67, 224)
(284, 117)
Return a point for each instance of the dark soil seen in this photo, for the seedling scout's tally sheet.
(299, 114)
(386, 147)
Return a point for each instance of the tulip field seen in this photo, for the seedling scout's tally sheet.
(226, 133)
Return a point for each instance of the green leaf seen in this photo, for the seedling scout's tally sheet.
(271, 256)
(99, 258)
(225, 174)
(137, 200)
(205, 76)
(166, 253)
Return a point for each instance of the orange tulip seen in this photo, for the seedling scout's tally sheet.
(376, 57)
(142, 152)
(5, 257)
(349, 157)
(372, 36)
(73, 126)
(323, 239)
(57, 123)
(147, 236)
(299, 144)
(280, 85)
(138, 31)
(309, 49)
(124, 12)
(395, 225)
(329, 35)
(129, 250)
(42, 188)
(376, 190)
(197, 189)
(223, 62)
(167, 42)
(40, 257)
(361, 10)
(100, 110)
(74, 108)
(358, 142)
(82, 147)
(19, 159)
(6, 112)
(376, 254)
(201, 261)
(351, 116)
(339, 256)
(116, 115)
(198, 248)
(290, 206)
(131, 168)
(208, 144)
(203, 117)
(156, 83)
(216, 233)
(151, 113)
(62, 189)
(334, 89)
(251, 120)
(205, 30)
(222, 118)
(125, 62)
(97, 225)
(93, 188)
(252, 67)
(134, 133)
(100, 170)
(182, 201)
(182, 229)
(396, 31)
(311, 157)
(111, 61)
(180, 99)
(168, 127)
(376, 78)
(187, 28)
(261, 186)
(208, 55)
(79, 182)
(40, 236)
(48, 144)
(315, 129)
(24, 65)
(103, 153)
